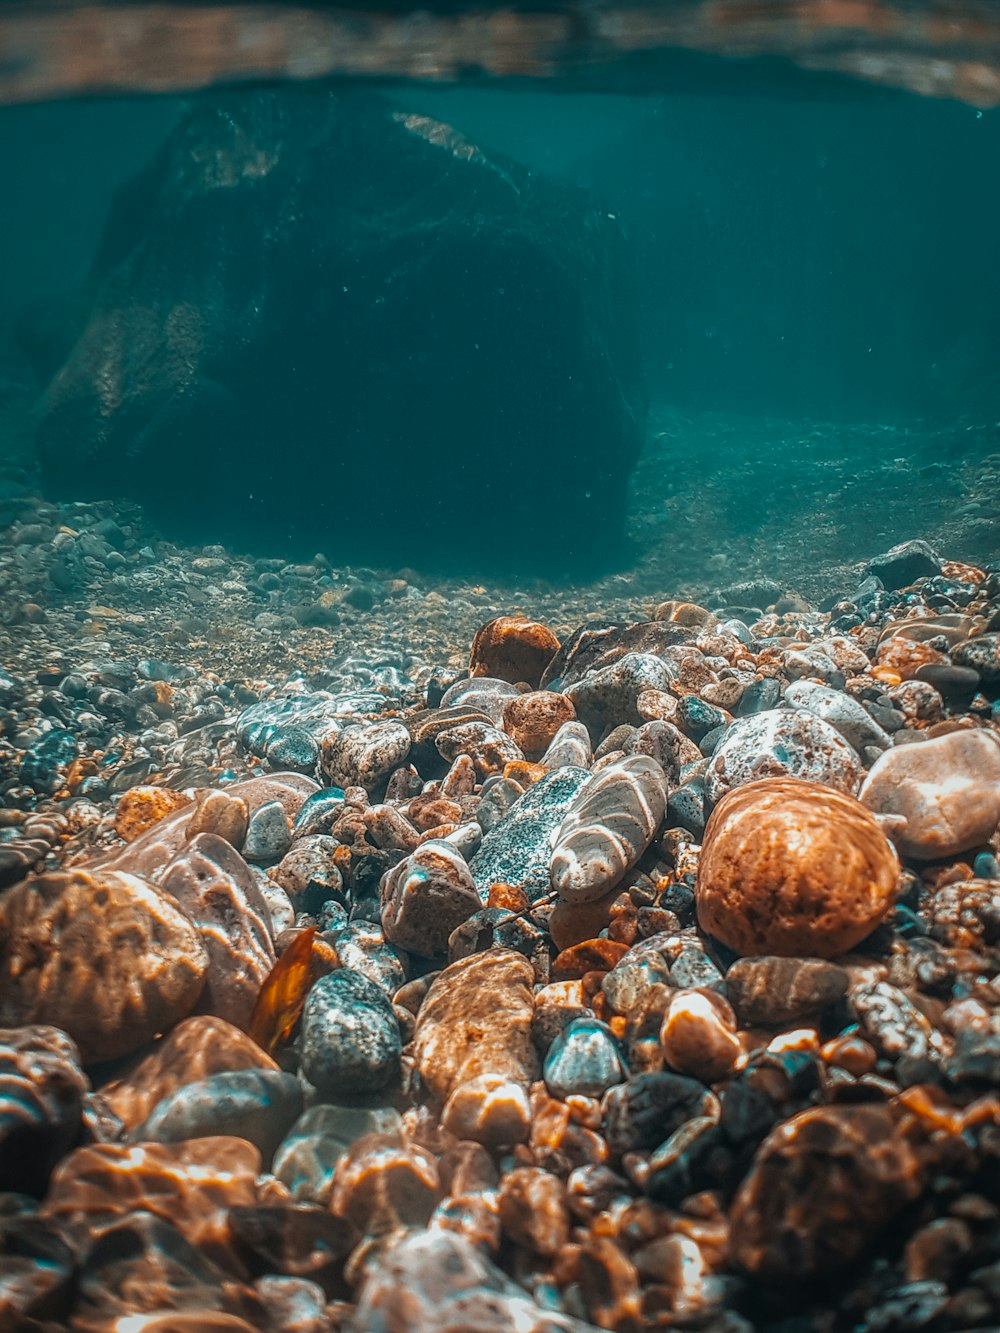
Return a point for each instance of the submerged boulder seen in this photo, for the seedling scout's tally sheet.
(317, 321)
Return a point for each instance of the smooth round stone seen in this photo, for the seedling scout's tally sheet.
(268, 836)
(362, 947)
(514, 649)
(141, 807)
(259, 1105)
(779, 992)
(759, 697)
(696, 718)
(42, 1091)
(350, 1036)
(308, 1154)
(516, 849)
(584, 1059)
(629, 981)
(426, 897)
(793, 868)
(309, 873)
(103, 955)
(610, 694)
(363, 756)
(533, 720)
(843, 713)
(488, 695)
(782, 743)
(221, 814)
(698, 1035)
(947, 789)
(293, 748)
(607, 828)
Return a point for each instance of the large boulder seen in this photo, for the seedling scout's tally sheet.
(319, 322)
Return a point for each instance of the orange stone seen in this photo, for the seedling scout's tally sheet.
(513, 648)
(589, 956)
(907, 656)
(793, 868)
(142, 807)
(532, 720)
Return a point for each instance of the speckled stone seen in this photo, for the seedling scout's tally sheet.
(774, 991)
(947, 789)
(486, 693)
(489, 748)
(309, 872)
(472, 1047)
(513, 648)
(782, 743)
(363, 756)
(607, 828)
(194, 1050)
(42, 1089)
(569, 746)
(844, 714)
(220, 813)
(609, 694)
(259, 1105)
(533, 1210)
(362, 947)
(217, 889)
(141, 807)
(643, 1112)
(981, 654)
(426, 897)
(268, 836)
(517, 849)
(318, 813)
(793, 868)
(350, 1036)
(103, 955)
(584, 1058)
(822, 1188)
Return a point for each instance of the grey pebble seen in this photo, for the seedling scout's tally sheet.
(350, 1036)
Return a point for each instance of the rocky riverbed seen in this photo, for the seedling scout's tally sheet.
(380, 952)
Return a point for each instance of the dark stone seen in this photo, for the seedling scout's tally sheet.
(903, 564)
(316, 265)
(649, 1107)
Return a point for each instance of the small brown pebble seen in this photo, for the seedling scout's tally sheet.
(936, 1251)
(381, 1183)
(220, 813)
(533, 1210)
(142, 807)
(698, 1035)
(533, 719)
(851, 1053)
(589, 956)
(572, 923)
(524, 773)
(513, 648)
(511, 897)
(773, 991)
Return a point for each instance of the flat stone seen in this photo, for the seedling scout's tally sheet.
(609, 825)
(475, 1024)
(350, 1036)
(947, 789)
(103, 955)
(218, 891)
(259, 1105)
(517, 849)
(772, 991)
(781, 743)
(793, 868)
(425, 897)
(843, 713)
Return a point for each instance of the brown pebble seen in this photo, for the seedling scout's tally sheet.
(572, 923)
(533, 1210)
(774, 991)
(513, 648)
(596, 955)
(220, 813)
(533, 719)
(698, 1035)
(793, 868)
(103, 955)
(142, 807)
(381, 1183)
(852, 1053)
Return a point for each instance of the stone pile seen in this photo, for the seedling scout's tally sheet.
(647, 979)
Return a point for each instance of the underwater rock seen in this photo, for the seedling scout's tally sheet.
(225, 321)
(364, 755)
(608, 694)
(426, 897)
(584, 1059)
(42, 1090)
(533, 720)
(782, 742)
(517, 850)
(903, 564)
(259, 1105)
(773, 991)
(308, 1154)
(103, 955)
(844, 714)
(350, 1036)
(947, 789)
(793, 868)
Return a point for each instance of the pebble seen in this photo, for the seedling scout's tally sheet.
(516, 849)
(318, 813)
(698, 1035)
(268, 836)
(307, 1156)
(584, 1060)
(309, 872)
(902, 565)
(141, 807)
(772, 991)
(259, 1105)
(570, 746)
(793, 868)
(217, 890)
(103, 955)
(822, 1188)
(472, 1047)
(426, 897)
(843, 713)
(533, 1211)
(982, 655)
(609, 825)
(610, 694)
(647, 1109)
(350, 1036)
(42, 1092)
(513, 648)
(947, 789)
(383, 1183)
(364, 755)
(533, 720)
(224, 815)
(781, 743)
